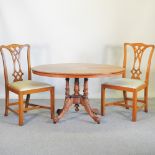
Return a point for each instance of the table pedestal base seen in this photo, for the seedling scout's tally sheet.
(77, 99)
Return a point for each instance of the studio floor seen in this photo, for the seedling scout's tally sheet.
(77, 134)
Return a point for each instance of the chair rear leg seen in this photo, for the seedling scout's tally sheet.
(125, 99)
(27, 101)
(6, 102)
(134, 107)
(20, 111)
(52, 102)
(146, 99)
(102, 101)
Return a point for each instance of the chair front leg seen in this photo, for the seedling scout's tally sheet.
(20, 111)
(125, 100)
(52, 102)
(134, 107)
(102, 101)
(6, 102)
(146, 99)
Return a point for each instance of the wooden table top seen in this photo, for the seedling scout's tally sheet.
(77, 70)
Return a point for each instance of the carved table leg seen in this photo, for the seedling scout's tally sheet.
(85, 102)
(66, 94)
(67, 103)
(96, 111)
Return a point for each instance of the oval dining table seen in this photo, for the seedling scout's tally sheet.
(77, 71)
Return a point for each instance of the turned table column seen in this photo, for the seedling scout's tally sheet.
(76, 96)
(76, 99)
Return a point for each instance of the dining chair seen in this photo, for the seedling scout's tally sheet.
(18, 80)
(141, 54)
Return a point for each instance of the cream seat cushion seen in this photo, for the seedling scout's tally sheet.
(125, 82)
(28, 85)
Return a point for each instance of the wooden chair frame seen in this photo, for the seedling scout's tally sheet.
(138, 53)
(15, 50)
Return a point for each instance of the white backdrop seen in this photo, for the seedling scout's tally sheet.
(89, 31)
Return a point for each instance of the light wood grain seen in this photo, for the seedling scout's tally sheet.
(77, 70)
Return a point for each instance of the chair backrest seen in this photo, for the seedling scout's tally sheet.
(15, 51)
(138, 51)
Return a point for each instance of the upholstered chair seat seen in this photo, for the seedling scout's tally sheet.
(28, 85)
(125, 82)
